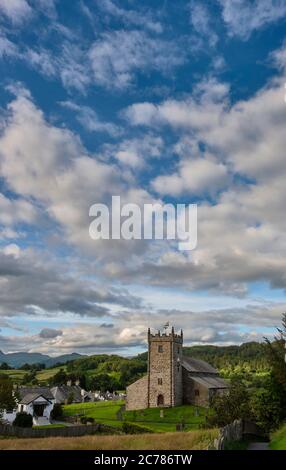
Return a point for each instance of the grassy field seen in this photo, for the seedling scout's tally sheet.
(278, 439)
(194, 440)
(15, 375)
(102, 412)
(42, 376)
(110, 413)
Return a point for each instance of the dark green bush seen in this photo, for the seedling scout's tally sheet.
(130, 428)
(23, 420)
(57, 411)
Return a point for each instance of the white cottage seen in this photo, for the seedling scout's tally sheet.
(36, 401)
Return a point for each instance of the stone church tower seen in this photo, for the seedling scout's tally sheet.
(165, 383)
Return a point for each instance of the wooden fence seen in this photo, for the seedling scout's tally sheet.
(68, 431)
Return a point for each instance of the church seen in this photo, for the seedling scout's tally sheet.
(172, 378)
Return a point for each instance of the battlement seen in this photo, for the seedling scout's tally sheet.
(165, 336)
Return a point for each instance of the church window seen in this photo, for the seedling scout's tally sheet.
(160, 349)
(160, 381)
(197, 393)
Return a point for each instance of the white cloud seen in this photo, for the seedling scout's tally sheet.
(201, 22)
(89, 119)
(13, 211)
(136, 152)
(241, 235)
(198, 176)
(142, 18)
(18, 11)
(117, 55)
(242, 17)
(7, 47)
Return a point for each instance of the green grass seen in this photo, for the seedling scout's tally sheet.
(102, 412)
(42, 376)
(109, 413)
(16, 375)
(46, 374)
(278, 439)
(151, 418)
(50, 426)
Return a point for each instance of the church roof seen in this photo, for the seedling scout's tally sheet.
(197, 365)
(210, 382)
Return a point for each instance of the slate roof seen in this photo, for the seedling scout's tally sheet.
(61, 393)
(30, 397)
(25, 392)
(198, 366)
(210, 382)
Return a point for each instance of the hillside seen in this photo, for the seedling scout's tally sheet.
(18, 359)
(113, 372)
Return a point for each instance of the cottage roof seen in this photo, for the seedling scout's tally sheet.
(62, 393)
(197, 365)
(30, 397)
(44, 392)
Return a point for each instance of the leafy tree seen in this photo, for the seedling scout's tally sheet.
(276, 355)
(234, 405)
(30, 378)
(59, 378)
(7, 398)
(267, 406)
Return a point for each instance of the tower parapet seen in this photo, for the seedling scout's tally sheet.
(165, 335)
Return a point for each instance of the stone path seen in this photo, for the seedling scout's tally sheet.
(258, 446)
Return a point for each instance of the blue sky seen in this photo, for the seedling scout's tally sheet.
(179, 102)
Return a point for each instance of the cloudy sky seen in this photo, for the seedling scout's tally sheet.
(180, 102)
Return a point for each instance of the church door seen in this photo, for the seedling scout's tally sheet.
(160, 400)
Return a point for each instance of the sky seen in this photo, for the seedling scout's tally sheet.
(170, 102)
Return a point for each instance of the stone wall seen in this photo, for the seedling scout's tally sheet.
(69, 431)
(191, 397)
(137, 395)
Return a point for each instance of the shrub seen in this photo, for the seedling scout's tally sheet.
(23, 420)
(57, 411)
(130, 428)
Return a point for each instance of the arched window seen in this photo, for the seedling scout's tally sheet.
(160, 400)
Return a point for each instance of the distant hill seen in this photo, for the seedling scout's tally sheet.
(251, 353)
(220, 356)
(20, 358)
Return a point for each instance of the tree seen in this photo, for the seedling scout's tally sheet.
(276, 355)
(30, 378)
(267, 407)
(7, 398)
(234, 405)
(23, 420)
(59, 378)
